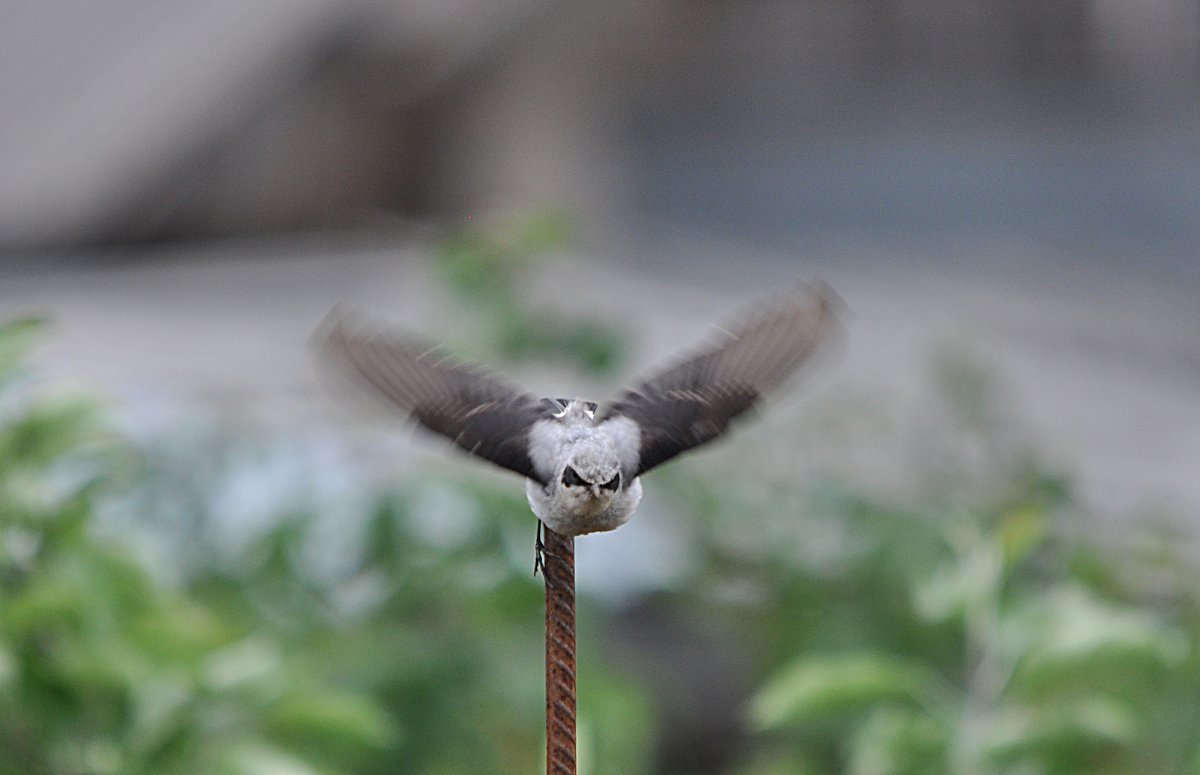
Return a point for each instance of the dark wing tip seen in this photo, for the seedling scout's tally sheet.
(831, 302)
(343, 331)
(332, 345)
(693, 401)
(760, 347)
(386, 364)
(476, 408)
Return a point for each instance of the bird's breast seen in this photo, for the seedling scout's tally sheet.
(579, 512)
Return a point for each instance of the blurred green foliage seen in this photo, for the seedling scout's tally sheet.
(417, 652)
(150, 624)
(106, 669)
(977, 629)
(488, 271)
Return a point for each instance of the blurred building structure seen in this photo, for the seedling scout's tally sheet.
(129, 120)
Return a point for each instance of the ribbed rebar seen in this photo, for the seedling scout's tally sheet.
(558, 569)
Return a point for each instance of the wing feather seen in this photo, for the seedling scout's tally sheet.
(693, 401)
(478, 410)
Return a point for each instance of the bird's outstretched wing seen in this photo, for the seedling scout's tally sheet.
(479, 410)
(693, 401)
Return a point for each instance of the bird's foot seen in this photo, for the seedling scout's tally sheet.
(539, 552)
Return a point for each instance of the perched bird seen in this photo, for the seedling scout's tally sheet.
(583, 463)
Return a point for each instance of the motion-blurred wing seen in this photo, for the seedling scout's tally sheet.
(694, 401)
(479, 410)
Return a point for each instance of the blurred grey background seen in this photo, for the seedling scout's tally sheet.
(187, 188)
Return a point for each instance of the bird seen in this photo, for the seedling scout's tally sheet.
(582, 461)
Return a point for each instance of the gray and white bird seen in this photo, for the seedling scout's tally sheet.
(583, 464)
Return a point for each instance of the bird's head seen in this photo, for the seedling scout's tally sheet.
(592, 475)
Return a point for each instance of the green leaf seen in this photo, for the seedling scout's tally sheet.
(341, 719)
(180, 632)
(1064, 729)
(543, 231)
(254, 662)
(17, 338)
(830, 686)
(968, 582)
(1071, 628)
(1022, 530)
(899, 742)
(262, 759)
(48, 430)
(596, 347)
(50, 603)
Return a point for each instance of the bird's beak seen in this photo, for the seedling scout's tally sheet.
(595, 488)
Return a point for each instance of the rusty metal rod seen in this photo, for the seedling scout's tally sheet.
(558, 569)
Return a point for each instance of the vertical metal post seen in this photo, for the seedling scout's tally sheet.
(558, 569)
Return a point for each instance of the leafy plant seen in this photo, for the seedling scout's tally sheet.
(208, 646)
(102, 667)
(973, 631)
(488, 270)
(258, 600)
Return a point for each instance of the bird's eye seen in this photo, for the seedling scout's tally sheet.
(572, 479)
(613, 483)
